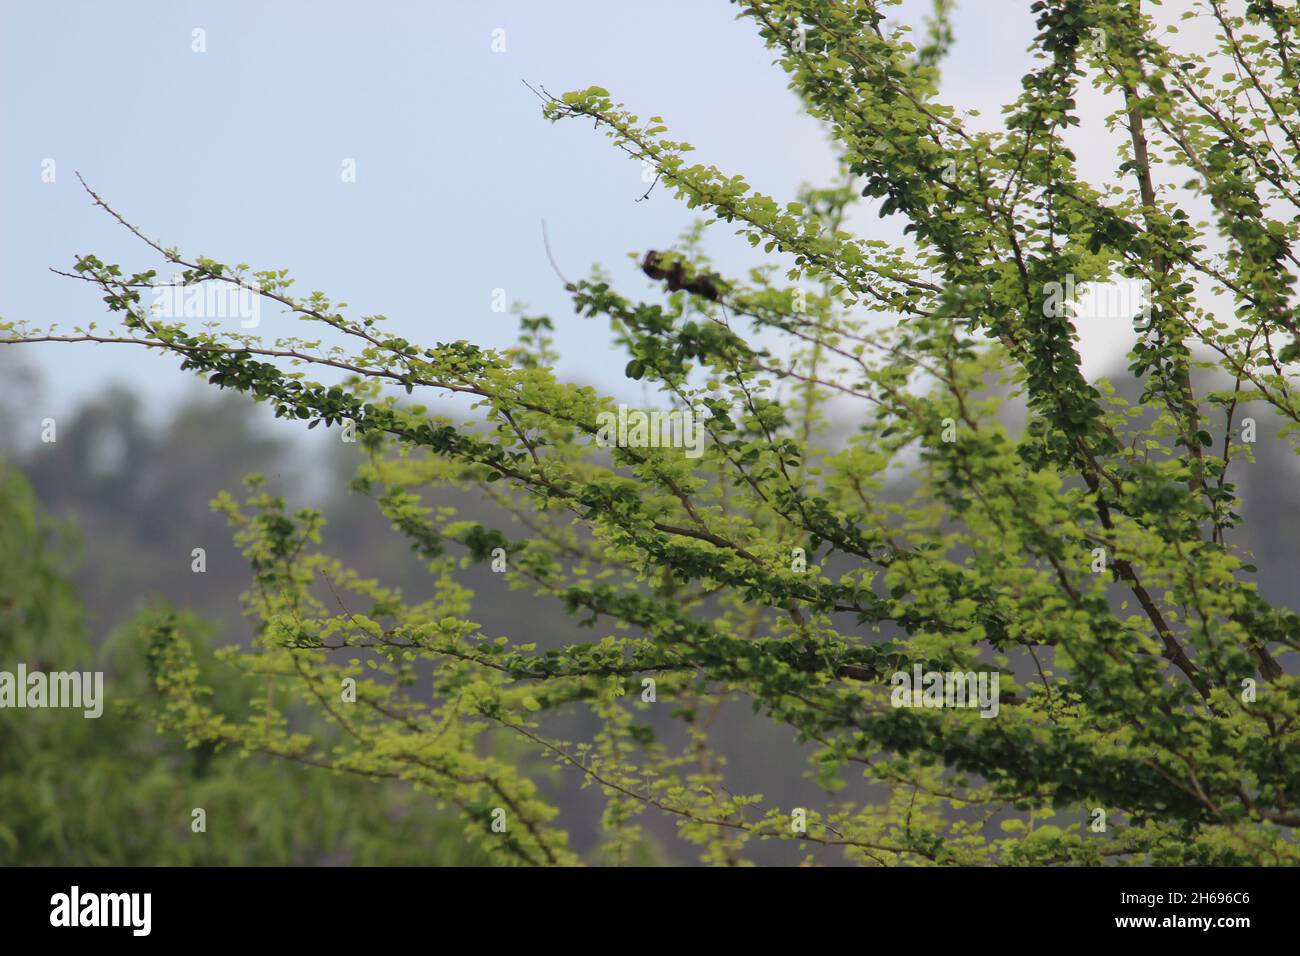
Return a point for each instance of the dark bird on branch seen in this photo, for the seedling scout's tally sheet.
(705, 286)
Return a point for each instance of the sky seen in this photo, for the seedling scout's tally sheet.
(238, 152)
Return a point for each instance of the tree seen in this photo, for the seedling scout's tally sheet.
(1081, 567)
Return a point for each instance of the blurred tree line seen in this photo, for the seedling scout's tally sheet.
(78, 791)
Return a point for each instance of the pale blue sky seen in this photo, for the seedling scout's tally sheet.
(236, 153)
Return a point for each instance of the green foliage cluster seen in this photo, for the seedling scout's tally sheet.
(1150, 687)
(111, 791)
